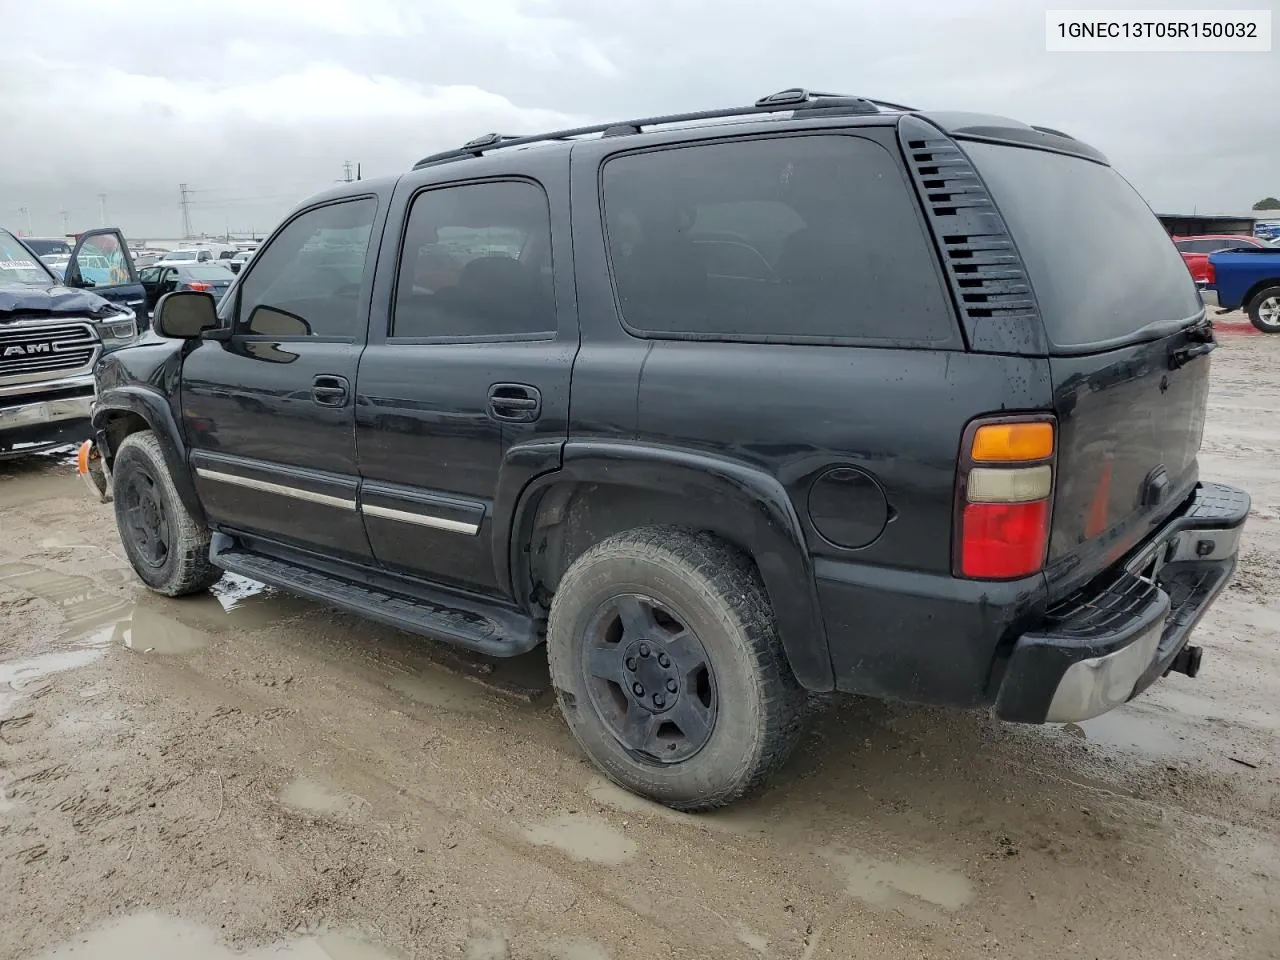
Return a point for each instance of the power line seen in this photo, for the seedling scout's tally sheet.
(183, 191)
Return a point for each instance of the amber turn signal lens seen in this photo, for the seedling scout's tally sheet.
(1012, 442)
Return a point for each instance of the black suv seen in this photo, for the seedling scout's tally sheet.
(818, 394)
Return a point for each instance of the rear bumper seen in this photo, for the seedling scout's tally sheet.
(1111, 640)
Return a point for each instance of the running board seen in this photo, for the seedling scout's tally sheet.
(433, 613)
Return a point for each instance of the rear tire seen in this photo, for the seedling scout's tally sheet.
(1264, 310)
(668, 667)
(167, 547)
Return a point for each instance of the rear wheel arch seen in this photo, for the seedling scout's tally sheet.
(562, 515)
(1252, 293)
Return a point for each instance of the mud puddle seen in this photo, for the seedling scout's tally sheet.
(583, 837)
(151, 935)
(889, 882)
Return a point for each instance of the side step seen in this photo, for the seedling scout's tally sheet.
(433, 613)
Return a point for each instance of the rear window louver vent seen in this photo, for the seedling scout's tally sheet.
(986, 273)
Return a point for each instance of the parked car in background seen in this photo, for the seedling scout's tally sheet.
(57, 262)
(1249, 278)
(160, 279)
(1195, 251)
(48, 246)
(239, 260)
(186, 255)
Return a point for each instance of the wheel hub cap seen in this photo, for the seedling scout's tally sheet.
(655, 683)
(650, 679)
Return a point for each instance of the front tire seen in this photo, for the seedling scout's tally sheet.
(668, 667)
(1264, 310)
(167, 547)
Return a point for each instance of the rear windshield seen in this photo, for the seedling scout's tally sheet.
(1101, 265)
(44, 248)
(211, 274)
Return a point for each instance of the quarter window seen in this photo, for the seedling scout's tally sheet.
(476, 263)
(798, 238)
(307, 281)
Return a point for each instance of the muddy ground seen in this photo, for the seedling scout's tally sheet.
(247, 771)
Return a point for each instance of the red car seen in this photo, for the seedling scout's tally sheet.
(1195, 251)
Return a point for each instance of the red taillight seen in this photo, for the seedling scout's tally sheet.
(199, 287)
(1003, 540)
(1210, 274)
(1004, 491)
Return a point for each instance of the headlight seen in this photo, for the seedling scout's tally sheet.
(118, 330)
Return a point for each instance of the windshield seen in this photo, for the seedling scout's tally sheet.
(1101, 265)
(44, 248)
(17, 265)
(182, 255)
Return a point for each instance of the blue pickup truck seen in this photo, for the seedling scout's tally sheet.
(1249, 277)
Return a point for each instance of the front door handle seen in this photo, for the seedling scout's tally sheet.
(515, 402)
(330, 391)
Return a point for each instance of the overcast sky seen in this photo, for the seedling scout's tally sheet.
(257, 103)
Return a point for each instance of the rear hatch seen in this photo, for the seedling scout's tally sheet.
(1128, 344)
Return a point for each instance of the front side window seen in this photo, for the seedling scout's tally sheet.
(307, 281)
(793, 238)
(476, 263)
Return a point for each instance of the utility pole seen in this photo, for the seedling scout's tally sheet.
(25, 213)
(346, 171)
(102, 209)
(183, 191)
(66, 228)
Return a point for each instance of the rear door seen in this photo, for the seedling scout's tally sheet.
(465, 383)
(101, 261)
(1128, 344)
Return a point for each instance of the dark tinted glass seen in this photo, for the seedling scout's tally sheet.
(809, 237)
(1090, 290)
(311, 275)
(476, 262)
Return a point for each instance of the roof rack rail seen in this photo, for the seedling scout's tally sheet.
(791, 99)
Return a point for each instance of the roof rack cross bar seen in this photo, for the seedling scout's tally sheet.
(784, 100)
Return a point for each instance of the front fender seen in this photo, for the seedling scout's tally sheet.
(151, 406)
(741, 504)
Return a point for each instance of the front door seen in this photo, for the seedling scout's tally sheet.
(101, 262)
(465, 383)
(269, 411)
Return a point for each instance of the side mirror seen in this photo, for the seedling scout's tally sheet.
(185, 314)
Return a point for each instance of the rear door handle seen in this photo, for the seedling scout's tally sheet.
(330, 391)
(515, 402)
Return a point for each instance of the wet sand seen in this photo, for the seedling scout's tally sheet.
(247, 773)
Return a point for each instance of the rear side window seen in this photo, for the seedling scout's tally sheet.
(1101, 265)
(476, 263)
(797, 238)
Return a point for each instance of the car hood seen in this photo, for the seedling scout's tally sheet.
(21, 301)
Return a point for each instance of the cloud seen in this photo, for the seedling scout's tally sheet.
(266, 98)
